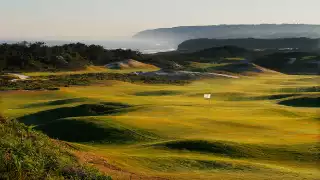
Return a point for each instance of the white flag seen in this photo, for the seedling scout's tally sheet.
(207, 96)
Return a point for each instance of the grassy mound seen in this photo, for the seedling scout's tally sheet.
(89, 129)
(55, 102)
(302, 102)
(305, 152)
(26, 154)
(74, 124)
(158, 93)
(77, 111)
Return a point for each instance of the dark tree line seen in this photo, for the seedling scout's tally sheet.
(38, 56)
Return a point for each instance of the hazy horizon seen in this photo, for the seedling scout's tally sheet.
(110, 19)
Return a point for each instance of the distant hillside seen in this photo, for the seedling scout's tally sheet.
(292, 62)
(263, 31)
(251, 43)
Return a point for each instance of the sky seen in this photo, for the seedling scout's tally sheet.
(109, 19)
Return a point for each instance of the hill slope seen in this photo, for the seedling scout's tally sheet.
(266, 31)
(291, 62)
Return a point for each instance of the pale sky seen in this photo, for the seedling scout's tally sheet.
(105, 19)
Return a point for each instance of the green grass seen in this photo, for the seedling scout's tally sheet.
(169, 131)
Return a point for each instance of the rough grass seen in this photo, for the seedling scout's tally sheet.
(26, 154)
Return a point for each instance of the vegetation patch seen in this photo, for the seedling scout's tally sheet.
(26, 154)
(302, 102)
(158, 93)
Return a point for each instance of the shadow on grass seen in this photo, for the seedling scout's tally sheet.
(302, 102)
(91, 130)
(77, 111)
(79, 124)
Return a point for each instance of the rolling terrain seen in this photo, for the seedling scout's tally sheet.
(262, 126)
